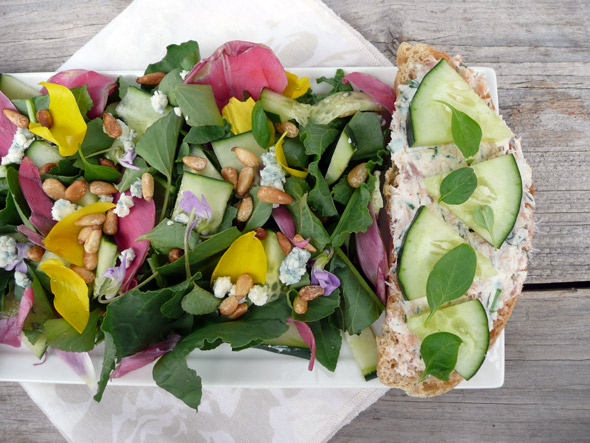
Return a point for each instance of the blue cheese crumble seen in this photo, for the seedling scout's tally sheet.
(106, 198)
(222, 286)
(21, 141)
(124, 205)
(159, 102)
(62, 208)
(272, 174)
(136, 189)
(8, 251)
(293, 266)
(129, 255)
(21, 279)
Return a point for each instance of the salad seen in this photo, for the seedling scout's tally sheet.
(208, 201)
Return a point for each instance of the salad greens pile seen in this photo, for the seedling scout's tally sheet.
(213, 201)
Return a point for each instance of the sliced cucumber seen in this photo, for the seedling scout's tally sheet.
(209, 170)
(41, 153)
(88, 199)
(340, 159)
(15, 89)
(499, 186)
(216, 192)
(466, 320)
(107, 258)
(428, 238)
(227, 157)
(40, 346)
(291, 338)
(429, 122)
(136, 110)
(343, 104)
(274, 258)
(284, 107)
(364, 351)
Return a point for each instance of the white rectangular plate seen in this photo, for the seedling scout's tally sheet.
(251, 368)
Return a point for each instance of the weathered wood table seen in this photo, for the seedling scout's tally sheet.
(541, 52)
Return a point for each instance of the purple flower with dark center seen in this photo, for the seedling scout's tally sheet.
(116, 275)
(325, 279)
(127, 160)
(18, 264)
(200, 209)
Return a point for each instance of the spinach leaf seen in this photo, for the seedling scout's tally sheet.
(360, 306)
(158, 145)
(205, 134)
(200, 302)
(183, 56)
(108, 364)
(228, 218)
(342, 191)
(9, 215)
(484, 217)
(466, 132)
(451, 277)
(457, 187)
(94, 172)
(169, 83)
(319, 308)
(260, 126)
(166, 236)
(61, 335)
(356, 216)
(328, 341)
(95, 139)
(83, 100)
(335, 82)
(364, 130)
(306, 222)
(294, 151)
(296, 187)
(439, 352)
(18, 198)
(198, 105)
(316, 138)
(260, 214)
(320, 197)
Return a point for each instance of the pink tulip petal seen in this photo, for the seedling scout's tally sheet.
(32, 236)
(99, 87)
(7, 128)
(81, 364)
(373, 257)
(307, 336)
(381, 92)
(237, 67)
(284, 220)
(140, 221)
(11, 327)
(38, 201)
(146, 356)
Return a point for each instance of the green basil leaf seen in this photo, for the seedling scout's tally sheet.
(260, 127)
(328, 341)
(451, 277)
(316, 138)
(457, 187)
(94, 172)
(183, 56)
(61, 335)
(166, 236)
(466, 132)
(484, 217)
(439, 352)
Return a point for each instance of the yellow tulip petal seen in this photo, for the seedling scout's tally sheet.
(63, 237)
(239, 114)
(69, 128)
(296, 87)
(245, 256)
(70, 291)
(283, 160)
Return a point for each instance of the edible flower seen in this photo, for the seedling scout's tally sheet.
(126, 160)
(283, 160)
(7, 128)
(81, 364)
(381, 92)
(197, 209)
(308, 337)
(145, 357)
(324, 278)
(63, 237)
(239, 114)
(11, 327)
(113, 279)
(245, 256)
(71, 293)
(40, 204)
(296, 87)
(69, 128)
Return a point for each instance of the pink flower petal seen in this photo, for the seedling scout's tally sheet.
(140, 220)
(301, 244)
(7, 128)
(307, 336)
(237, 67)
(284, 220)
(33, 236)
(99, 86)
(381, 92)
(38, 201)
(145, 357)
(11, 327)
(81, 364)
(373, 257)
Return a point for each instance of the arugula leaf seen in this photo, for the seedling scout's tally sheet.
(451, 277)
(328, 341)
(307, 224)
(484, 217)
(457, 187)
(316, 138)
(439, 352)
(108, 365)
(466, 132)
(206, 134)
(335, 82)
(95, 139)
(319, 308)
(356, 216)
(364, 130)
(94, 172)
(200, 302)
(320, 197)
(260, 214)
(342, 191)
(260, 127)
(61, 335)
(183, 56)
(294, 151)
(83, 100)
(360, 306)
(167, 236)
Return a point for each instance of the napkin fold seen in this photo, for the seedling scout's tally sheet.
(302, 33)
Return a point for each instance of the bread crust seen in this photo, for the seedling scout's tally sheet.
(409, 59)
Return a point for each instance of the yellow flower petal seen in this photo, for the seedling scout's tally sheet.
(239, 114)
(69, 128)
(63, 237)
(283, 160)
(296, 87)
(70, 291)
(245, 256)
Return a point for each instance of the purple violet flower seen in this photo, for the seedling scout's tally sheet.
(126, 160)
(116, 275)
(325, 279)
(191, 204)
(18, 264)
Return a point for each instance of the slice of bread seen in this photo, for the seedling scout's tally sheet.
(400, 364)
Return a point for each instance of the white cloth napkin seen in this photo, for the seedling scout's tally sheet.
(302, 33)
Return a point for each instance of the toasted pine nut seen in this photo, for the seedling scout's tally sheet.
(194, 162)
(90, 260)
(268, 194)
(76, 191)
(260, 233)
(229, 174)
(106, 162)
(308, 247)
(245, 180)
(228, 306)
(245, 209)
(45, 118)
(102, 188)
(54, 188)
(175, 254)
(152, 79)
(243, 285)
(46, 168)
(247, 158)
(36, 253)
(111, 223)
(358, 175)
(147, 186)
(84, 233)
(284, 242)
(240, 310)
(299, 305)
(92, 243)
(111, 126)
(21, 121)
(310, 292)
(86, 275)
(288, 127)
(91, 220)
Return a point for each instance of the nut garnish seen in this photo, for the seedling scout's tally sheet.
(275, 196)
(44, 118)
(260, 233)
(284, 242)
(245, 209)
(152, 79)
(90, 260)
(111, 223)
(358, 175)
(194, 162)
(91, 220)
(46, 168)
(308, 247)
(240, 310)
(21, 121)
(147, 186)
(76, 191)
(54, 188)
(247, 158)
(243, 285)
(84, 233)
(288, 127)
(175, 254)
(228, 306)
(102, 188)
(92, 243)
(86, 275)
(299, 305)
(310, 292)
(109, 164)
(245, 180)
(36, 253)
(229, 174)
(111, 125)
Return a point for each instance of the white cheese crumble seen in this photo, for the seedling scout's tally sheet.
(221, 287)
(272, 174)
(62, 208)
(159, 102)
(21, 141)
(136, 189)
(129, 255)
(8, 251)
(21, 279)
(106, 198)
(124, 205)
(258, 295)
(178, 111)
(181, 218)
(169, 223)
(184, 73)
(293, 266)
